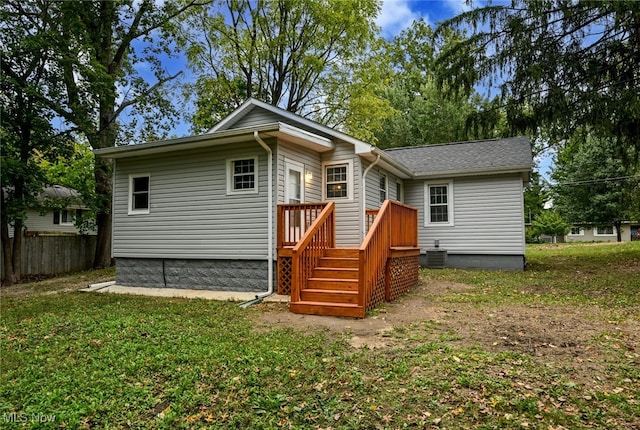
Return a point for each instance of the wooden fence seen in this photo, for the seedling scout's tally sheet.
(49, 255)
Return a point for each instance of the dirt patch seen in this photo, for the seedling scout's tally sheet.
(561, 335)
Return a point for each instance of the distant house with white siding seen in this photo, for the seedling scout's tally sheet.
(59, 208)
(237, 208)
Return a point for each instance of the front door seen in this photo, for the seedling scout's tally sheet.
(294, 193)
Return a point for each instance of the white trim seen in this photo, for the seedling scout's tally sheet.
(427, 203)
(613, 229)
(69, 221)
(386, 187)
(131, 210)
(349, 164)
(399, 191)
(581, 232)
(296, 167)
(230, 174)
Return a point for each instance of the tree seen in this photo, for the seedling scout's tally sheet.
(25, 126)
(535, 195)
(549, 222)
(96, 51)
(74, 169)
(594, 186)
(412, 109)
(559, 64)
(284, 52)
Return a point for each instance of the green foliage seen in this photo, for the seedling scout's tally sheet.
(397, 102)
(559, 65)
(549, 222)
(594, 185)
(75, 171)
(285, 52)
(535, 196)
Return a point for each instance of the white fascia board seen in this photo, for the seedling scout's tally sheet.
(241, 111)
(303, 138)
(182, 143)
(386, 162)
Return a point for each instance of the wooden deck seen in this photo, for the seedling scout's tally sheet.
(325, 280)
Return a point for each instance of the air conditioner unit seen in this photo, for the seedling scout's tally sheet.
(436, 257)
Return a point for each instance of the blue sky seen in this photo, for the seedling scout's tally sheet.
(397, 15)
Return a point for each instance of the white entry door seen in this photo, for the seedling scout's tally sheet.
(294, 193)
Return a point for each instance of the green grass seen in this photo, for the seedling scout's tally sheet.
(80, 360)
(578, 274)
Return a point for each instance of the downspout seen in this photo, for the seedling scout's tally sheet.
(364, 196)
(256, 136)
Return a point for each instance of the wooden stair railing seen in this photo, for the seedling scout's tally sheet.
(293, 221)
(395, 225)
(306, 254)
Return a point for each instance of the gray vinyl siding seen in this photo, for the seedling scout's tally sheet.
(373, 186)
(255, 118)
(191, 215)
(488, 216)
(311, 163)
(349, 214)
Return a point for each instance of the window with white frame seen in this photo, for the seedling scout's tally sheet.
(383, 187)
(439, 203)
(605, 231)
(62, 217)
(337, 181)
(242, 175)
(399, 196)
(139, 188)
(576, 231)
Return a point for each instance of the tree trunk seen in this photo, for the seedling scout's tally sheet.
(7, 257)
(618, 226)
(102, 174)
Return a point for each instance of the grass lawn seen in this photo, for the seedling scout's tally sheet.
(89, 360)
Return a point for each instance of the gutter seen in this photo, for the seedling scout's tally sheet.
(259, 297)
(364, 194)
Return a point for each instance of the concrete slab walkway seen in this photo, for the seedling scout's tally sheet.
(227, 296)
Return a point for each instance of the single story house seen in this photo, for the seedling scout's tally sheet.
(268, 199)
(587, 233)
(59, 208)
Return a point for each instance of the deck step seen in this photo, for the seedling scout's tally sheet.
(329, 296)
(342, 252)
(335, 272)
(327, 308)
(339, 262)
(333, 284)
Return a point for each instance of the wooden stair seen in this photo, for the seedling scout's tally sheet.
(333, 287)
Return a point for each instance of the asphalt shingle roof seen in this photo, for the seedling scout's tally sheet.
(460, 157)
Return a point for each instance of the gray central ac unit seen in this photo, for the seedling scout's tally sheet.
(436, 257)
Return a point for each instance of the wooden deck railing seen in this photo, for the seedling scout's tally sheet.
(394, 226)
(307, 252)
(293, 221)
(371, 217)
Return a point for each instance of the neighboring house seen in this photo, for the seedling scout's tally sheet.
(52, 243)
(628, 232)
(219, 210)
(59, 208)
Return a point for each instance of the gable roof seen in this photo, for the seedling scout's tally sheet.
(289, 117)
(466, 158)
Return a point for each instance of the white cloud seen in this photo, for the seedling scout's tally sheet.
(459, 6)
(395, 16)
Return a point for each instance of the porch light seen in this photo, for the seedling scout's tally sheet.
(308, 176)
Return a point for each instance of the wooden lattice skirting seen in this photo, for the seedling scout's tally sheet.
(284, 274)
